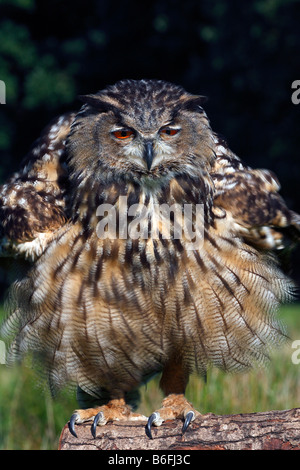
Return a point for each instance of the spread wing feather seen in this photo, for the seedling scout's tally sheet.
(33, 201)
(251, 198)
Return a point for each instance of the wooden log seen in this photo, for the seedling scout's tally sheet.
(250, 431)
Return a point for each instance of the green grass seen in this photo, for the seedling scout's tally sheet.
(30, 419)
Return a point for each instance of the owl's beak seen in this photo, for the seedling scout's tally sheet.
(148, 154)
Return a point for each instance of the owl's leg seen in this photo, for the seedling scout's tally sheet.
(173, 383)
(114, 410)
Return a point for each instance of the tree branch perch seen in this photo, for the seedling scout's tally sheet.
(250, 431)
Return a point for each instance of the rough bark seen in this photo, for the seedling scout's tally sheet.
(252, 431)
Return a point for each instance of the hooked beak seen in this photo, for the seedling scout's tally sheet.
(148, 154)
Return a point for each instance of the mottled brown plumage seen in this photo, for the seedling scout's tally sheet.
(106, 313)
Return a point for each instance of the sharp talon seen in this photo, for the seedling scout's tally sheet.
(95, 422)
(189, 417)
(152, 418)
(72, 424)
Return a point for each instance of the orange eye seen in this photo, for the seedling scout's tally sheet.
(123, 133)
(169, 132)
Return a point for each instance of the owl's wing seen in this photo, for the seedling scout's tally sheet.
(33, 201)
(251, 199)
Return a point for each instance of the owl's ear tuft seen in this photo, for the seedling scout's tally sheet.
(194, 103)
(96, 102)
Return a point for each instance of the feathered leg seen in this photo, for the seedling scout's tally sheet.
(173, 383)
(114, 410)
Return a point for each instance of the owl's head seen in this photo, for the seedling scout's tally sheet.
(141, 130)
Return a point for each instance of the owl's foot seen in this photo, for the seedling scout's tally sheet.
(173, 406)
(115, 410)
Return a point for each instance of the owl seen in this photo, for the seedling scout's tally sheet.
(152, 248)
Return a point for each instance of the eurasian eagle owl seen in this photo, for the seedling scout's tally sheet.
(153, 249)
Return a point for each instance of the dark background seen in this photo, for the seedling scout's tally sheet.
(244, 56)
